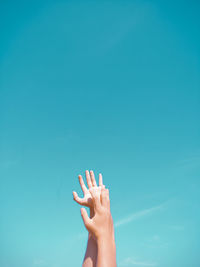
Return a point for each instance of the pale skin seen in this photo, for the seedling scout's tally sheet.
(101, 250)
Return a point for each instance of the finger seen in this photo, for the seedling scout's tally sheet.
(105, 197)
(108, 198)
(77, 198)
(88, 179)
(86, 219)
(93, 178)
(100, 179)
(82, 184)
(102, 187)
(95, 199)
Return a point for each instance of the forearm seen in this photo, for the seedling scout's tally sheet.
(91, 251)
(106, 251)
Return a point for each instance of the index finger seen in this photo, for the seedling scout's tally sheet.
(82, 184)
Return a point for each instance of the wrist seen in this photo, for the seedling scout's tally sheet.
(106, 237)
(107, 233)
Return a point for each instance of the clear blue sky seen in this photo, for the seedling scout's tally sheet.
(112, 86)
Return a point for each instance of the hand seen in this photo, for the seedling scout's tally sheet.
(91, 182)
(101, 225)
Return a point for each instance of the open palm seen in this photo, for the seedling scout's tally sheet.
(91, 182)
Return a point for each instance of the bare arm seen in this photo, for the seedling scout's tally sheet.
(90, 258)
(106, 251)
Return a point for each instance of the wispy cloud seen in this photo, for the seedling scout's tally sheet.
(137, 215)
(132, 262)
(40, 262)
(155, 242)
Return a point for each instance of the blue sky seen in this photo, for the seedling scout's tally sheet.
(112, 86)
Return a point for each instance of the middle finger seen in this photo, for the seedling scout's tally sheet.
(88, 179)
(93, 178)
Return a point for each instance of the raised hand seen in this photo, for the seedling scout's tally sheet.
(91, 182)
(101, 225)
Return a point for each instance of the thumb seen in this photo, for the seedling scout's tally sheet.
(85, 217)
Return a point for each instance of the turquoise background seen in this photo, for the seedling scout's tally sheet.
(112, 86)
